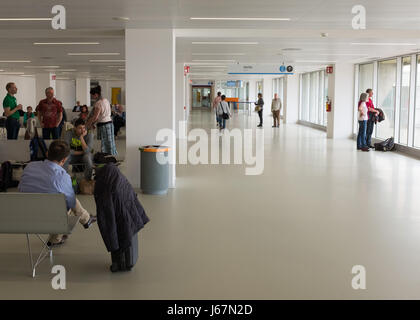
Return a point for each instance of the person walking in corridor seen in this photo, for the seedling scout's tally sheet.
(11, 111)
(223, 112)
(50, 114)
(275, 109)
(216, 102)
(260, 108)
(363, 117)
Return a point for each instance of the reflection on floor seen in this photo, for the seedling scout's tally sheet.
(296, 231)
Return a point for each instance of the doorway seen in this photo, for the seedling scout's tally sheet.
(201, 97)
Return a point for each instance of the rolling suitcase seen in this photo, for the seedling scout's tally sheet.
(124, 260)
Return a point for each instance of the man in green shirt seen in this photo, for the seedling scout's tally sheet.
(80, 142)
(11, 111)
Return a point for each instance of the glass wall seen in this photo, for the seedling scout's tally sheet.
(417, 110)
(405, 100)
(387, 76)
(313, 95)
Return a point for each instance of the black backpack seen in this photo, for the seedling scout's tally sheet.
(6, 177)
(103, 158)
(38, 149)
(387, 145)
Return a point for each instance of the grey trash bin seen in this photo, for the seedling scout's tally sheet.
(154, 175)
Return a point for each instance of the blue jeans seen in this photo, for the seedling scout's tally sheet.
(361, 137)
(48, 132)
(12, 128)
(369, 131)
(222, 122)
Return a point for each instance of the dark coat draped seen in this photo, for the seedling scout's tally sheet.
(119, 212)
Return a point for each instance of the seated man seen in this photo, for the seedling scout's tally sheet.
(80, 142)
(49, 177)
(119, 119)
(29, 122)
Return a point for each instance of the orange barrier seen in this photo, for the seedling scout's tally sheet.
(232, 99)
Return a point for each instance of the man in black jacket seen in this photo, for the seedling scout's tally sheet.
(260, 106)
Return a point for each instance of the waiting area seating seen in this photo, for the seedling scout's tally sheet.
(35, 214)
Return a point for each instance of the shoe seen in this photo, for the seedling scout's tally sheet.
(92, 219)
(372, 147)
(259, 126)
(365, 149)
(56, 244)
(273, 126)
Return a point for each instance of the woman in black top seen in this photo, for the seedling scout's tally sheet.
(260, 104)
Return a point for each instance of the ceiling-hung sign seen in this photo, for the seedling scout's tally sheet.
(260, 68)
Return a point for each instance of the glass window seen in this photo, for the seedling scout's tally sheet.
(405, 100)
(387, 74)
(365, 82)
(417, 111)
(325, 98)
(305, 96)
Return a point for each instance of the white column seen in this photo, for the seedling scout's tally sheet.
(83, 91)
(291, 99)
(150, 94)
(180, 94)
(267, 94)
(340, 91)
(43, 81)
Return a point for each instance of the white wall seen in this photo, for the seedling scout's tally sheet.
(291, 99)
(65, 91)
(26, 94)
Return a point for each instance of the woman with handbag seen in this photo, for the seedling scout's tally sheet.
(223, 112)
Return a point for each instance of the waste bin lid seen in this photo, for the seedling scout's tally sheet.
(154, 148)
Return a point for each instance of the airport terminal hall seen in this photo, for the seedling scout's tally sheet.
(180, 150)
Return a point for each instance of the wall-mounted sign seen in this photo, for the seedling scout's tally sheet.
(231, 84)
(330, 69)
(186, 70)
(53, 77)
(254, 68)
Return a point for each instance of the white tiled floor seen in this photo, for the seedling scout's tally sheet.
(296, 231)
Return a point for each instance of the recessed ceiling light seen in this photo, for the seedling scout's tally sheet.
(224, 42)
(121, 18)
(15, 61)
(41, 67)
(382, 44)
(236, 19)
(93, 54)
(218, 54)
(214, 60)
(25, 19)
(65, 43)
(106, 60)
(324, 35)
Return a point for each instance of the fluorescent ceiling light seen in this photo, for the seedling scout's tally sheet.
(62, 78)
(121, 69)
(236, 19)
(67, 70)
(64, 43)
(315, 61)
(218, 54)
(106, 60)
(207, 66)
(93, 54)
(222, 42)
(25, 19)
(15, 61)
(41, 67)
(13, 73)
(214, 60)
(115, 66)
(28, 75)
(383, 44)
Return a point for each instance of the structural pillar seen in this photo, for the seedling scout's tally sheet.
(83, 91)
(42, 82)
(150, 95)
(340, 91)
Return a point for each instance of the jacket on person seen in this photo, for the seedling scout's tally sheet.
(119, 212)
(377, 118)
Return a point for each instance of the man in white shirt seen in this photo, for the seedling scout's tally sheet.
(223, 108)
(216, 102)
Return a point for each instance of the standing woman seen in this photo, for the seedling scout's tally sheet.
(363, 118)
(101, 117)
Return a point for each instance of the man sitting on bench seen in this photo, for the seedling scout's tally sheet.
(80, 142)
(49, 177)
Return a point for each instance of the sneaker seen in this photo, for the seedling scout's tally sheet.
(92, 219)
(273, 126)
(259, 126)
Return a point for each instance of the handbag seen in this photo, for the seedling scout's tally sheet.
(224, 115)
